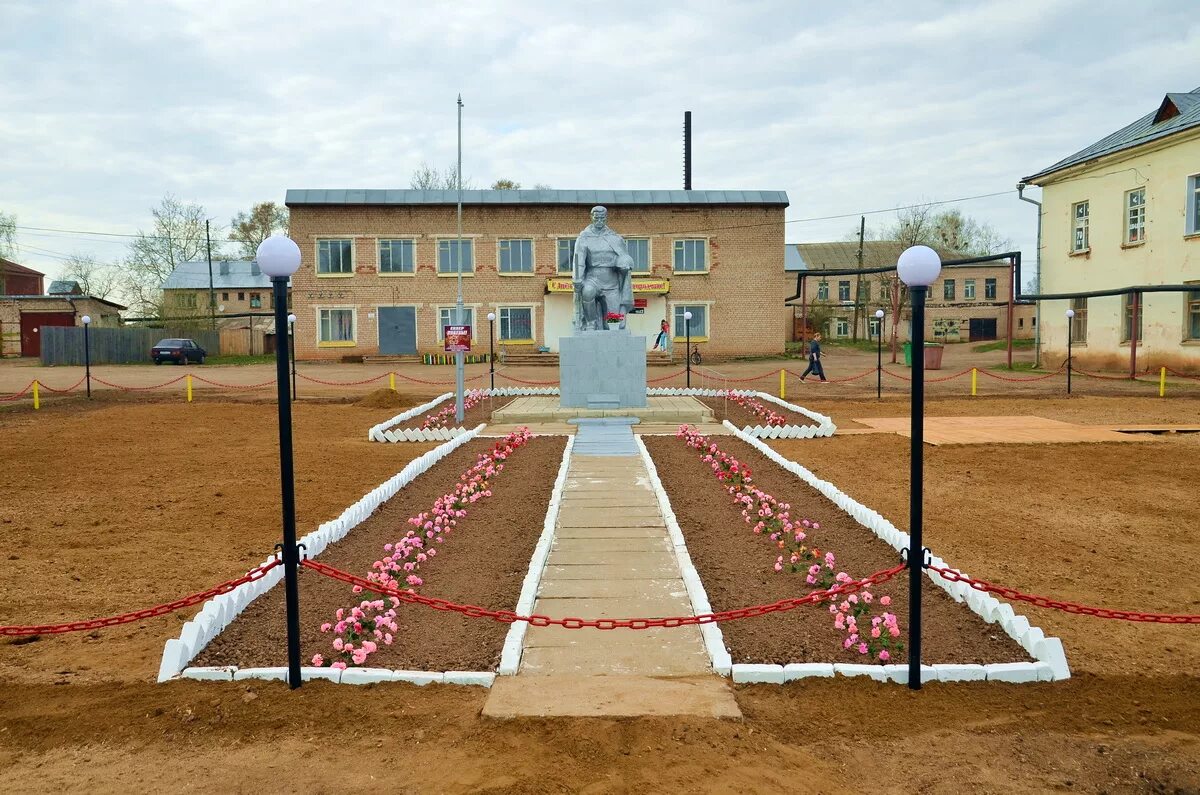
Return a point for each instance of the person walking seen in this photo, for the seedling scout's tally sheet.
(814, 359)
(663, 336)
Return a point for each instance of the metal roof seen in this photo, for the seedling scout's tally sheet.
(843, 255)
(1185, 115)
(240, 274)
(792, 261)
(8, 266)
(583, 197)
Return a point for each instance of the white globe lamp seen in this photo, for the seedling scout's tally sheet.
(278, 256)
(919, 266)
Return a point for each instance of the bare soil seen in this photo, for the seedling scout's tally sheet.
(737, 569)
(120, 495)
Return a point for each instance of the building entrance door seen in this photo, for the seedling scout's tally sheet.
(397, 330)
(983, 328)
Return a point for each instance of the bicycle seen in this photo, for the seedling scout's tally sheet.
(695, 355)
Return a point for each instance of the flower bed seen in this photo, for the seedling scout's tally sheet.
(483, 561)
(741, 567)
(435, 419)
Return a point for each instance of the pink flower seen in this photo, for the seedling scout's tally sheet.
(326, 627)
(318, 660)
(885, 600)
(884, 656)
(862, 648)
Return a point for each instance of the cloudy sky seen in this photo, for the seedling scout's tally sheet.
(858, 106)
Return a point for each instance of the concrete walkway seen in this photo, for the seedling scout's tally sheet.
(611, 558)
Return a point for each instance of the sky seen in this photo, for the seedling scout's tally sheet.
(849, 107)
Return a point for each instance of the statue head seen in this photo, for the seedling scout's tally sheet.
(599, 218)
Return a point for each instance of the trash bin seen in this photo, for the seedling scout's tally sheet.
(933, 355)
(908, 354)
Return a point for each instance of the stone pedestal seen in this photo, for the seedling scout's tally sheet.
(602, 370)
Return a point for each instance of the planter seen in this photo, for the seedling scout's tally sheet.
(933, 356)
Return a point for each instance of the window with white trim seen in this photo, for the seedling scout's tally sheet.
(841, 327)
(1135, 216)
(823, 291)
(989, 289)
(844, 290)
(335, 256)
(256, 300)
(639, 250)
(446, 315)
(516, 256)
(516, 323)
(691, 256)
(453, 252)
(873, 326)
(336, 325)
(948, 290)
(969, 289)
(1127, 317)
(1079, 322)
(1079, 236)
(396, 256)
(1193, 205)
(566, 254)
(697, 326)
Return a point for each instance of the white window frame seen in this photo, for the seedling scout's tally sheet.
(968, 289)
(1135, 218)
(873, 327)
(680, 244)
(1080, 236)
(570, 241)
(994, 284)
(823, 290)
(678, 330)
(473, 309)
(841, 327)
(1192, 206)
(412, 245)
(353, 341)
(953, 285)
(317, 252)
(649, 253)
(466, 241)
(500, 245)
(844, 286)
(501, 309)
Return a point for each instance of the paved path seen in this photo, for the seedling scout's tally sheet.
(611, 558)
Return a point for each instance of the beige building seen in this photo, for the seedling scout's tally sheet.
(1125, 212)
(238, 286)
(378, 268)
(968, 303)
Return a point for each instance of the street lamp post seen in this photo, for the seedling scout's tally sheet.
(279, 258)
(687, 348)
(919, 267)
(879, 354)
(1070, 321)
(292, 346)
(460, 312)
(492, 348)
(87, 354)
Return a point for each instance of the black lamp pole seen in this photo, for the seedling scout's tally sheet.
(916, 494)
(87, 358)
(492, 349)
(1070, 320)
(879, 359)
(291, 555)
(687, 348)
(292, 346)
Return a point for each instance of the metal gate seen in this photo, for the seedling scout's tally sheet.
(983, 328)
(397, 330)
(31, 328)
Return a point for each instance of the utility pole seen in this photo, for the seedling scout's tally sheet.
(858, 279)
(212, 293)
(460, 313)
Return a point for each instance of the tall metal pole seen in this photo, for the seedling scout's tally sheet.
(460, 313)
(291, 555)
(87, 358)
(212, 293)
(879, 360)
(687, 348)
(1070, 321)
(292, 346)
(916, 493)
(492, 351)
(1012, 283)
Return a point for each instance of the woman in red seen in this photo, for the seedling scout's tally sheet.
(663, 336)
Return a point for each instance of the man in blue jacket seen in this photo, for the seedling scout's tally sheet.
(814, 359)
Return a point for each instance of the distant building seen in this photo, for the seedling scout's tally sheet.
(18, 280)
(238, 286)
(24, 314)
(1121, 212)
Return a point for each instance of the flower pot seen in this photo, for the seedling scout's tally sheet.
(614, 326)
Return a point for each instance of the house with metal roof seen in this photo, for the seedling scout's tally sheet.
(237, 287)
(1125, 211)
(379, 268)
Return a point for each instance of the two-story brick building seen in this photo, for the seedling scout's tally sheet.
(378, 273)
(237, 286)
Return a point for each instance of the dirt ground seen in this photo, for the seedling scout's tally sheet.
(105, 506)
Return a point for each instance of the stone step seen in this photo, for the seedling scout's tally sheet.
(609, 696)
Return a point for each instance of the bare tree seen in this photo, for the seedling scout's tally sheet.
(506, 184)
(177, 236)
(8, 235)
(95, 278)
(252, 228)
(426, 177)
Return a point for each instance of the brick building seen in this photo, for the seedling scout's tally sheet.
(378, 267)
(24, 315)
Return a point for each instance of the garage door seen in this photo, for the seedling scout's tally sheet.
(31, 328)
(397, 330)
(983, 328)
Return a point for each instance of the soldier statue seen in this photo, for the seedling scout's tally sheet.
(601, 275)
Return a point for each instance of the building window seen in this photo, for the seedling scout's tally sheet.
(224, 296)
(864, 292)
(516, 323)
(948, 290)
(241, 296)
(396, 256)
(334, 256)
(841, 327)
(255, 301)
(698, 325)
(1193, 205)
(1079, 240)
(873, 327)
(453, 253)
(691, 256)
(989, 289)
(639, 250)
(1079, 322)
(885, 289)
(566, 255)
(515, 256)
(1135, 216)
(844, 291)
(336, 326)
(823, 291)
(446, 315)
(1127, 317)
(1020, 322)
(1193, 315)
(968, 289)
(186, 300)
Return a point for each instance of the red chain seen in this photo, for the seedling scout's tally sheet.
(1183, 375)
(219, 385)
(998, 377)
(138, 388)
(508, 616)
(1070, 607)
(666, 377)
(1097, 375)
(49, 388)
(522, 381)
(17, 395)
(341, 383)
(139, 615)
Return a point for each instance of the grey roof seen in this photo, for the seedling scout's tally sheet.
(844, 254)
(64, 287)
(792, 261)
(241, 274)
(583, 197)
(1183, 111)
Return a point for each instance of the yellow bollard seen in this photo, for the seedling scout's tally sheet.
(974, 380)
(189, 388)
(37, 401)
(1162, 382)
(392, 381)
(782, 384)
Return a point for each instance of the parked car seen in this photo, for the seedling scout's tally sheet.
(178, 351)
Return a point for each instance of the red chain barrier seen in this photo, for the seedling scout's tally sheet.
(138, 388)
(342, 383)
(1069, 607)
(435, 383)
(508, 616)
(140, 615)
(896, 375)
(17, 395)
(1173, 371)
(666, 377)
(529, 383)
(1101, 377)
(999, 377)
(49, 388)
(219, 385)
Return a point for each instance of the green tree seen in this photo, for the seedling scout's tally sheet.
(252, 228)
(506, 184)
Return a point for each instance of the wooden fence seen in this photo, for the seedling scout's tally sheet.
(64, 344)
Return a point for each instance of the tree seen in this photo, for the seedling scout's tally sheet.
(8, 235)
(426, 177)
(95, 278)
(252, 228)
(177, 236)
(506, 184)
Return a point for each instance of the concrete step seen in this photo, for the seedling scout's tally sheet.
(609, 696)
